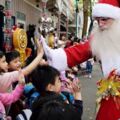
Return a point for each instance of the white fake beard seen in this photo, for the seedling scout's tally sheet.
(105, 46)
(106, 42)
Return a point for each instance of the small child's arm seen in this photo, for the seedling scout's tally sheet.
(8, 98)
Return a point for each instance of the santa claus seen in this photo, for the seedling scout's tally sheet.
(104, 44)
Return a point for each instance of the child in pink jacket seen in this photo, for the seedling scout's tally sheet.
(7, 78)
(8, 98)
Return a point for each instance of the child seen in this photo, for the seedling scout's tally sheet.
(6, 79)
(47, 82)
(13, 60)
(14, 64)
(8, 98)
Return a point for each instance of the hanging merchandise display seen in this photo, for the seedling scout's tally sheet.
(8, 26)
(1, 27)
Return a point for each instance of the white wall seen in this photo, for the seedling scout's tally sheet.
(2, 2)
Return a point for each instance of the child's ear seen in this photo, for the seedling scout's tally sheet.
(49, 87)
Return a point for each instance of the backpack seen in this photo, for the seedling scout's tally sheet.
(31, 94)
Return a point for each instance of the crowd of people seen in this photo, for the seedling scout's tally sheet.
(48, 88)
(103, 44)
(37, 90)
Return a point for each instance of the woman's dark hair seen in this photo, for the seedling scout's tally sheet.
(1, 54)
(55, 110)
(42, 76)
(12, 55)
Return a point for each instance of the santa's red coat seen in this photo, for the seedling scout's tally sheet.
(108, 110)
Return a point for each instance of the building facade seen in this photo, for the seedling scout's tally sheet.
(27, 12)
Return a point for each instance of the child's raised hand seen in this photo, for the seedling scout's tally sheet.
(77, 91)
(43, 62)
(69, 85)
(39, 47)
(76, 87)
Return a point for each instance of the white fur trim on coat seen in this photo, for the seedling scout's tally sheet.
(106, 10)
(56, 57)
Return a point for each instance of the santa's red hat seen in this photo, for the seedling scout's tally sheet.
(107, 8)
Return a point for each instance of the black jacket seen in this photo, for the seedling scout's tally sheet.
(77, 107)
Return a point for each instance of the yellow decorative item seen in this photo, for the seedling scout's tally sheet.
(20, 43)
(51, 40)
(107, 87)
(20, 39)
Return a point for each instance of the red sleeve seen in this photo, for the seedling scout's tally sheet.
(78, 54)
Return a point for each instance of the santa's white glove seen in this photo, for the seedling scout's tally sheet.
(56, 57)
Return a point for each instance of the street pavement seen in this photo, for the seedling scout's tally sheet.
(89, 89)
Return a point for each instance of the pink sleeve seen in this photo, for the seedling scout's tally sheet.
(13, 76)
(78, 54)
(6, 80)
(8, 98)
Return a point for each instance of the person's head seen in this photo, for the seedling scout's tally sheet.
(55, 110)
(105, 12)
(71, 37)
(46, 78)
(63, 38)
(105, 41)
(13, 60)
(104, 22)
(3, 63)
(1, 8)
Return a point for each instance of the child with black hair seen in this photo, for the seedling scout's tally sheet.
(46, 78)
(13, 60)
(7, 78)
(47, 81)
